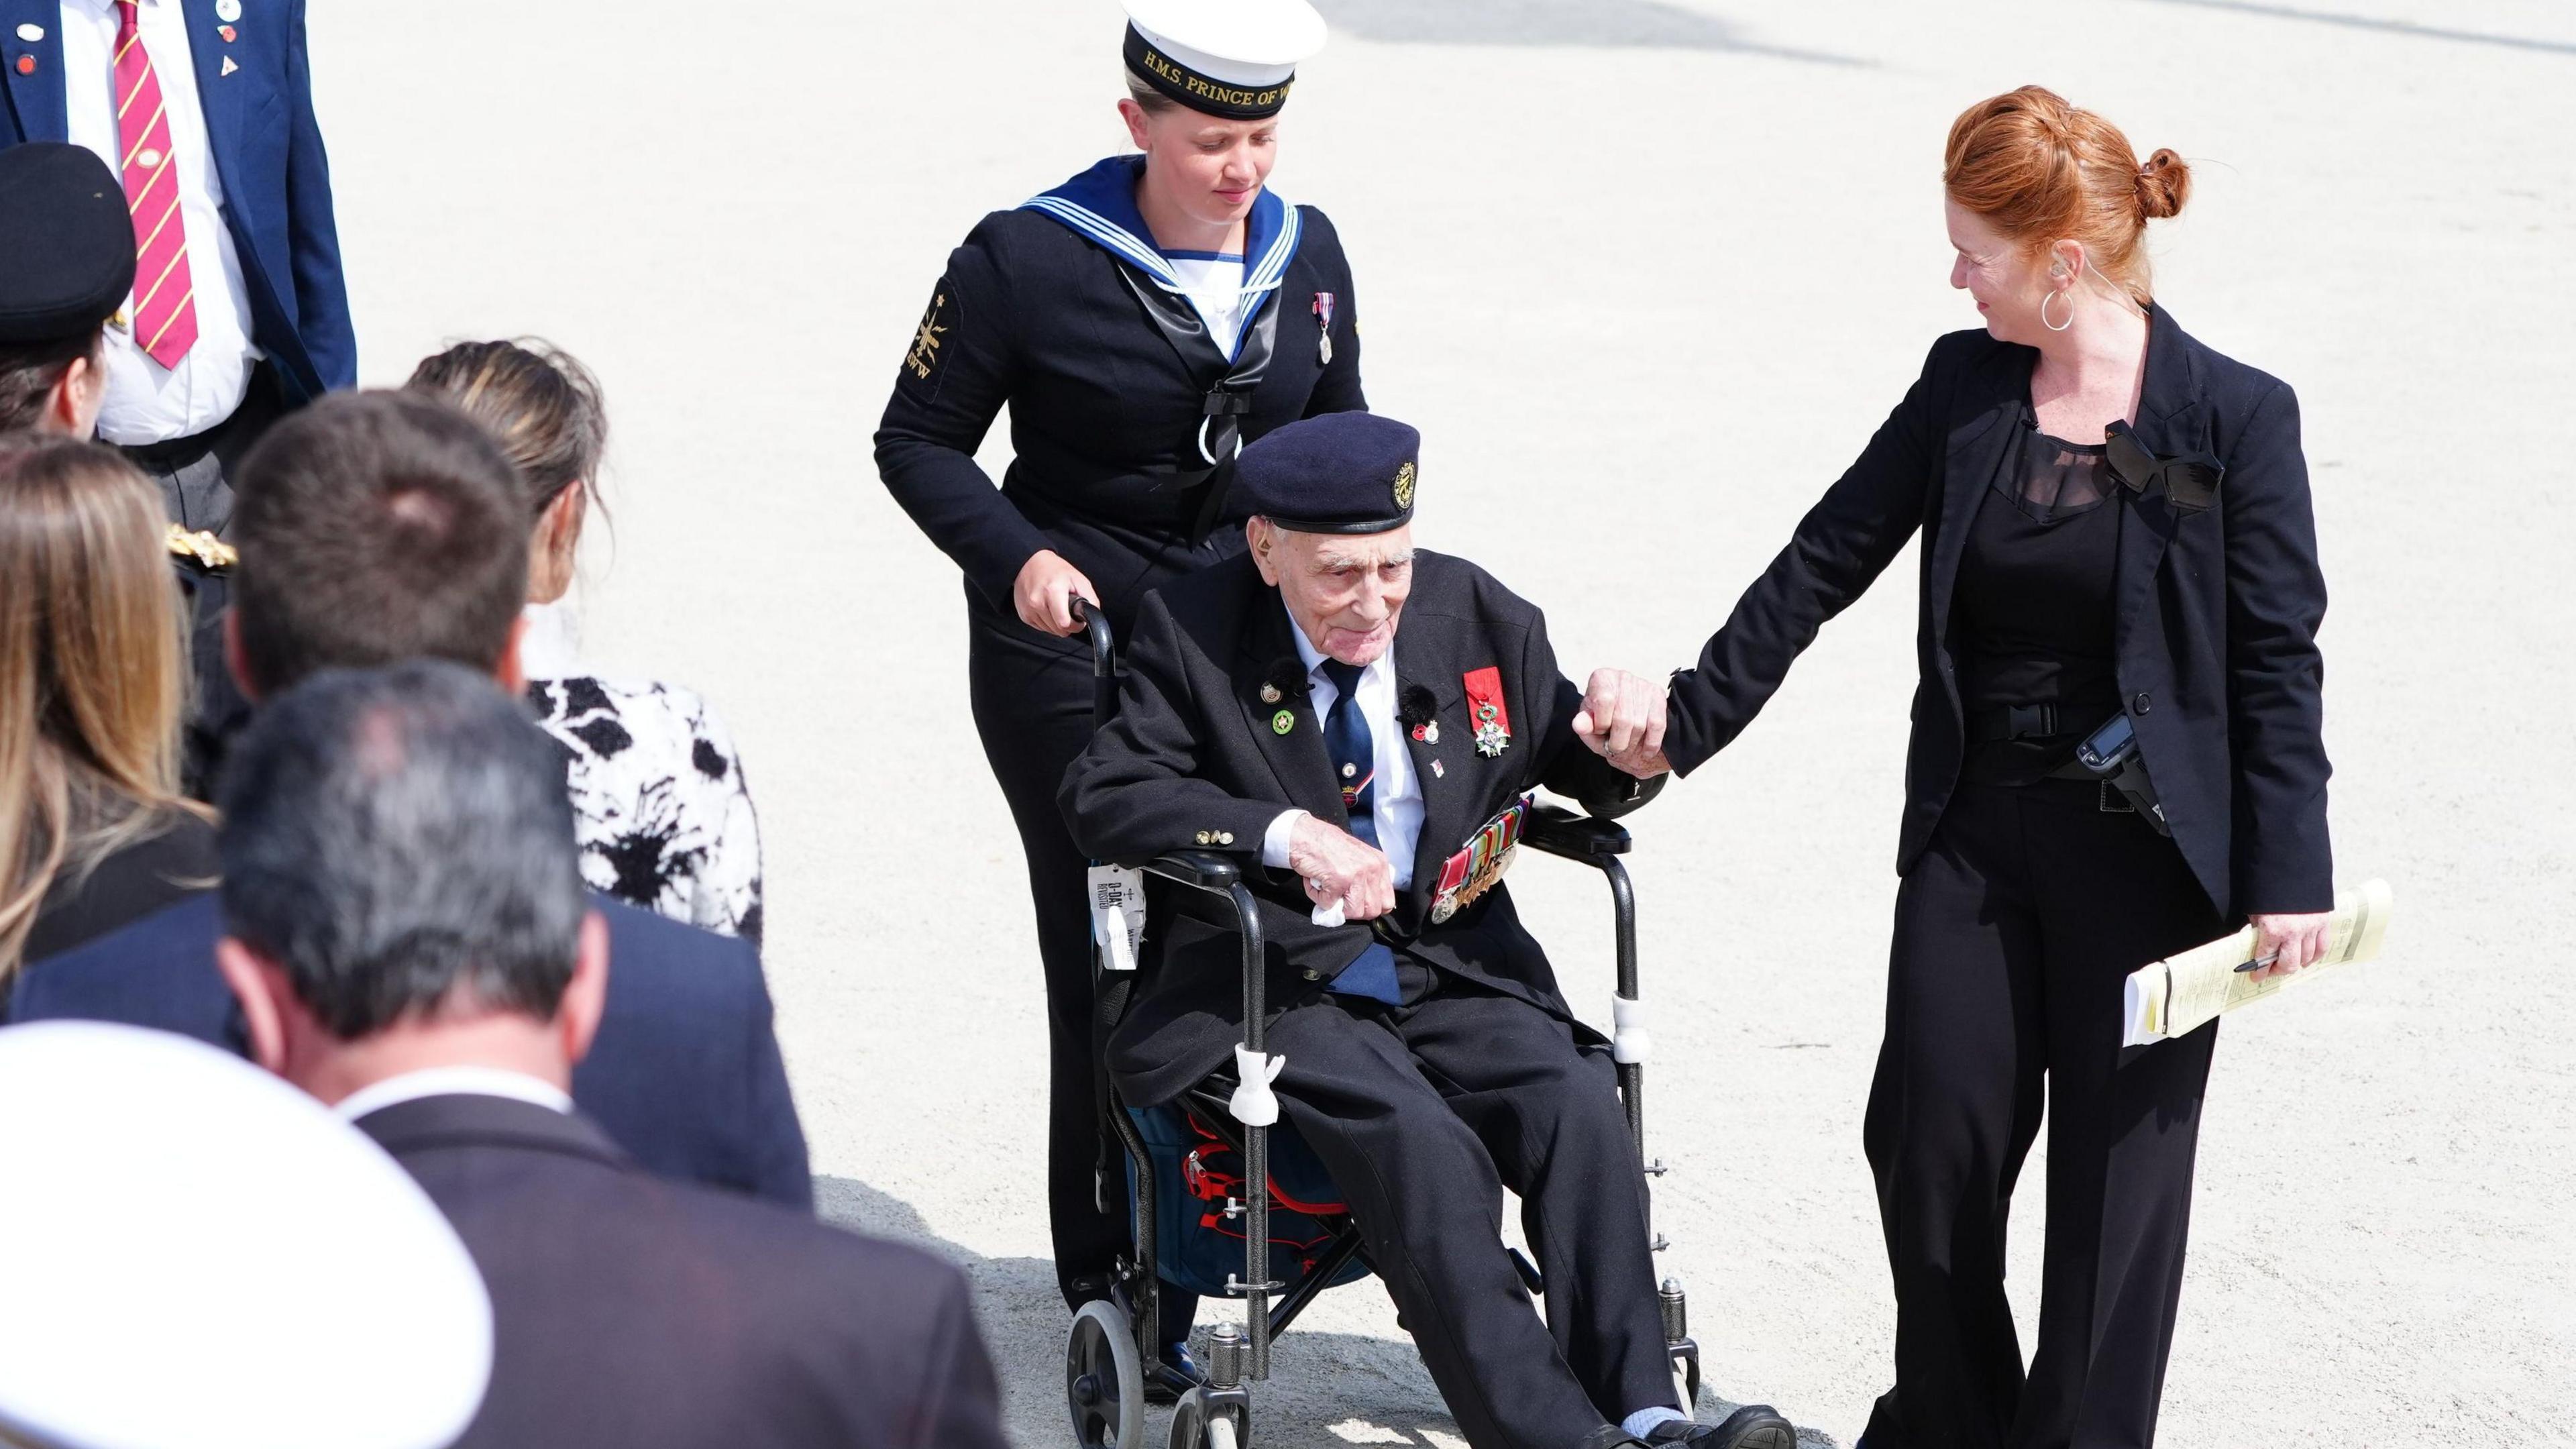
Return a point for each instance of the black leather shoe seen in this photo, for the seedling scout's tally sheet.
(1178, 1374)
(1755, 1426)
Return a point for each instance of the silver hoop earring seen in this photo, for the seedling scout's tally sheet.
(2056, 326)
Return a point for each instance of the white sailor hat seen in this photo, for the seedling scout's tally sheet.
(1231, 58)
(203, 1257)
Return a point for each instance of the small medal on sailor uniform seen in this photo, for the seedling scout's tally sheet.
(1324, 328)
(1284, 721)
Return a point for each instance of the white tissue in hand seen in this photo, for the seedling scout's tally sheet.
(1329, 914)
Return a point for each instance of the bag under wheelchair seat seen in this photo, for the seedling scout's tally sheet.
(1195, 1171)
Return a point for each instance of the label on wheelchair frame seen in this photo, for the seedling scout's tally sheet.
(1117, 915)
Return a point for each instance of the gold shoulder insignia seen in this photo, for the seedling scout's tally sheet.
(204, 547)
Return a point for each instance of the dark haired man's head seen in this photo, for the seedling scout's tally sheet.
(376, 527)
(401, 886)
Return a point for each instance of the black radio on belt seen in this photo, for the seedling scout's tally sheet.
(2110, 755)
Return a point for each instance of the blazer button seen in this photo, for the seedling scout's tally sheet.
(1225, 837)
(1314, 975)
(2142, 703)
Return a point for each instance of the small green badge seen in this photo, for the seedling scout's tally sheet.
(1284, 721)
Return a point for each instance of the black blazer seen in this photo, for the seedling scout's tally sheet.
(632, 1313)
(685, 1073)
(1193, 750)
(1105, 410)
(2217, 610)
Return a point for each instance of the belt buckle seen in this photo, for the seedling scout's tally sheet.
(2113, 802)
(2028, 721)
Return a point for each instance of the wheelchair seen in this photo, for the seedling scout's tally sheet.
(1113, 1349)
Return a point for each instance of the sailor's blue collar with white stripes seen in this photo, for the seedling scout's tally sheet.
(1100, 205)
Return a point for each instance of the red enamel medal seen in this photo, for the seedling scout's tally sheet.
(1485, 708)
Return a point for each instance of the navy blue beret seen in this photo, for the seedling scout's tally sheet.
(66, 243)
(1339, 473)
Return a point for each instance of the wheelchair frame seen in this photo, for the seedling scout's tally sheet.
(1111, 1352)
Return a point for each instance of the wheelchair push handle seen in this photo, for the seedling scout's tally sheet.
(1104, 658)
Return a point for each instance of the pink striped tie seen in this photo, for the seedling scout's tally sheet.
(165, 300)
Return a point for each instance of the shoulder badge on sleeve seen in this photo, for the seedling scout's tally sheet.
(923, 357)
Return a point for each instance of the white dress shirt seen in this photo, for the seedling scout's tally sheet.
(450, 1082)
(1398, 797)
(146, 402)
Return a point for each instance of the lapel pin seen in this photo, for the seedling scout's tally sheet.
(228, 11)
(1427, 732)
(1270, 694)
(26, 65)
(1436, 771)
(228, 33)
(31, 32)
(229, 67)
(1282, 722)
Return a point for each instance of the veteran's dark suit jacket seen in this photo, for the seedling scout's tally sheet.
(2217, 610)
(685, 1072)
(1193, 750)
(268, 154)
(630, 1312)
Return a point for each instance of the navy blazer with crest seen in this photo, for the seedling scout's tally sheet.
(268, 155)
(1194, 751)
(2216, 610)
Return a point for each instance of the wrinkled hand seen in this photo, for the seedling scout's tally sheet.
(2293, 943)
(1622, 720)
(1339, 866)
(1045, 592)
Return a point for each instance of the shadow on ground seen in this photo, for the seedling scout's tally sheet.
(1608, 23)
(2382, 25)
(1325, 1391)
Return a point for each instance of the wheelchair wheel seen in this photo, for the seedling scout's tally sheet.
(1104, 1379)
(1196, 1424)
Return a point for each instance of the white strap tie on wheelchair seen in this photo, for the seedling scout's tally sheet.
(1117, 915)
(1629, 1040)
(1253, 1104)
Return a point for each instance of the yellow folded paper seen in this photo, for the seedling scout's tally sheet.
(2183, 993)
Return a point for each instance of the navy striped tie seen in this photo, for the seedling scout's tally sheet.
(1354, 751)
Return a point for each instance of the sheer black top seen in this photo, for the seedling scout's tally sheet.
(2034, 612)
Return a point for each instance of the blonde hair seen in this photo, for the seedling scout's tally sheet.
(93, 681)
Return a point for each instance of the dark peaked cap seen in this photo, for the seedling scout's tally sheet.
(66, 243)
(1339, 473)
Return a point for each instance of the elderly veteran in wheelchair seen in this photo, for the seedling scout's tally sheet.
(1366, 720)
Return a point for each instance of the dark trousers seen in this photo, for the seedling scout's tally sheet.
(1032, 704)
(2014, 934)
(195, 475)
(1423, 1113)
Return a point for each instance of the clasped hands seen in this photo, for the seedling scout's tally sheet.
(1622, 720)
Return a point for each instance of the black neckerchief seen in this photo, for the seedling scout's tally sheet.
(1229, 397)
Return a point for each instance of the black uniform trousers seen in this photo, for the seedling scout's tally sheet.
(1032, 700)
(1423, 1113)
(195, 475)
(2014, 935)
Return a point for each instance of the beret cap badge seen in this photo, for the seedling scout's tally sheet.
(1404, 486)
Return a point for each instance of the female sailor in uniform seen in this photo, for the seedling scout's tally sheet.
(1142, 321)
